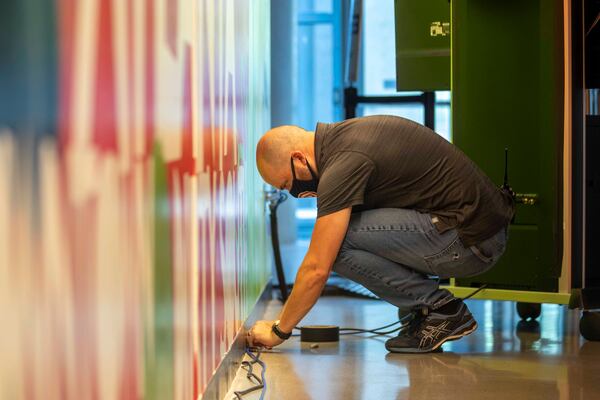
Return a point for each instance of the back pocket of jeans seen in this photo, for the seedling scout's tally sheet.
(441, 263)
(490, 250)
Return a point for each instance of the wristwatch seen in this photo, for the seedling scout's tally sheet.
(281, 335)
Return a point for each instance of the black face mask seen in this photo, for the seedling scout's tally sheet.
(307, 188)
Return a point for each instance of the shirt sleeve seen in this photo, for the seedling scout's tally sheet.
(343, 182)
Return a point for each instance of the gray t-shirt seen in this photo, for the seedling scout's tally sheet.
(391, 162)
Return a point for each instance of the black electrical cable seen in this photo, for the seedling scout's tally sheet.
(476, 291)
(593, 25)
(355, 331)
(276, 197)
(375, 331)
(378, 331)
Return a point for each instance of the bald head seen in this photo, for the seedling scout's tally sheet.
(277, 146)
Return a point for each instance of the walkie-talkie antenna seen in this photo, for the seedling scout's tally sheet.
(506, 168)
(506, 187)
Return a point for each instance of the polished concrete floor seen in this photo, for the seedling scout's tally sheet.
(503, 359)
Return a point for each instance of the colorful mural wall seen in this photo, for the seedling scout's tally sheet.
(132, 234)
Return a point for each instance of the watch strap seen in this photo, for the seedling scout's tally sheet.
(279, 333)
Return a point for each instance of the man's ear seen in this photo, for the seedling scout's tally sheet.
(298, 155)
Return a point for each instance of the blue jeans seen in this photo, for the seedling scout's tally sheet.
(398, 254)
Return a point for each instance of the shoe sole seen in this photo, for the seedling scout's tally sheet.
(457, 334)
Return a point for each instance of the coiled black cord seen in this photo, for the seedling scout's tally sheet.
(259, 383)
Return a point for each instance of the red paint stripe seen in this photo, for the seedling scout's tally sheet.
(66, 11)
(149, 78)
(104, 132)
(172, 23)
(131, 98)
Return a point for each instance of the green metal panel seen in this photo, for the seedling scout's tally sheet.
(422, 45)
(507, 90)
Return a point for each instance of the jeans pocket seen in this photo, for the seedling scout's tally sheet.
(490, 250)
(486, 257)
(444, 262)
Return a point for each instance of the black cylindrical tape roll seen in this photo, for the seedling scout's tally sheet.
(320, 333)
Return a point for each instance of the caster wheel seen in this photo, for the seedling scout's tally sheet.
(589, 325)
(529, 333)
(531, 327)
(529, 310)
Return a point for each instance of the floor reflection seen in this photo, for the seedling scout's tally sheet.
(504, 359)
(472, 377)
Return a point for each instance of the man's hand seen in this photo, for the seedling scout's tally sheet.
(261, 335)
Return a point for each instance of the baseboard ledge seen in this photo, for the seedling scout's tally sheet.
(219, 384)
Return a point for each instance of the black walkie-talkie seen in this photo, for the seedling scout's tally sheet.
(505, 186)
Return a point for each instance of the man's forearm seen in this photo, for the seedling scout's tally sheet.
(307, 289)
